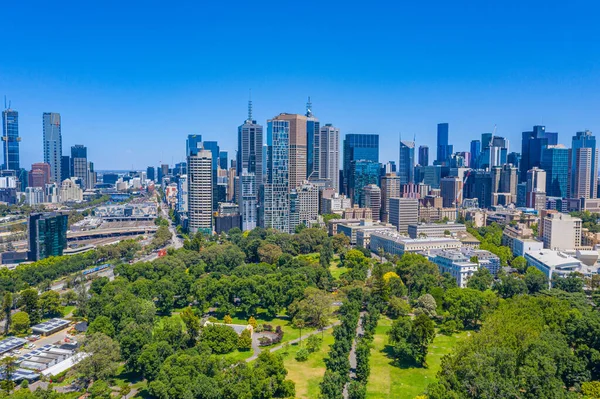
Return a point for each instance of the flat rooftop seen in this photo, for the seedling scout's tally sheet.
(51, 325)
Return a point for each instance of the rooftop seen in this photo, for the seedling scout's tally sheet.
(51, 325)
(8, 344)
(553, 258)
(393, 235)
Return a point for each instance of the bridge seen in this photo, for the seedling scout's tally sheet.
(111, 232)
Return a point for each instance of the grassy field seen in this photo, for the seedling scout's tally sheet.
(307, 375)
(404, 382)
(289, 331)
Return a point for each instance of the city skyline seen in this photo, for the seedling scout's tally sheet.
(389, 78)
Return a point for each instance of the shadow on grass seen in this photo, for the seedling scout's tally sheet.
(129, 377)
(401, 364)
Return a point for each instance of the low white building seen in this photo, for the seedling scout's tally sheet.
(434, 229)
(392, 242)
(558, 264)
(522, 245)
(456, 263)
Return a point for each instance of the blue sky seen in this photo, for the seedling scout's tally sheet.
(132, 79)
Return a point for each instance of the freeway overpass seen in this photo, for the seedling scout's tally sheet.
(111, 232)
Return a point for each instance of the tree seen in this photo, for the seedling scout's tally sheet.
(227, 319)
(481, 280)
(300, 324)
(21, 322)
(245, 341)
(326, 254)
(571, 283)
(426, 304)
(152, 357)
(357, 390)
(313, 343)
(269, 253)
(100, 390)
(422, 334)
(28, 302)
(103, 358)
(9, 366)
(519, 263)
(302, 355)
(314, 309)
(397, 307)
(252, 322)
(49, 303)
(192, 323)
(468, 305)
(7, 304)
(509, 285)
(101, 324)
(220, 339)
(535, 280)
(68, 298)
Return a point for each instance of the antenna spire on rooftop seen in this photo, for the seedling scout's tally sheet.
(250, 107)
(309, 108)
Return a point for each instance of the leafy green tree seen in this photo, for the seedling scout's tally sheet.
(269, 253)
(100, 390)
(9, 366)
(7, 304)
(422, 334)
(28, 302)
(535, 280)
(132, 338)
(426, 304)
(571, 283)
(21, 322)
(101, 324)
(220, 339)
(357, 390)
(192, 323)
(326, 254)
(509, 285)
(302, 355)
(314, 309)
(397, 307)
(245, 341)
(152, 357)
(313, 343)
(519, 263)
(103, 358)
(481, 280)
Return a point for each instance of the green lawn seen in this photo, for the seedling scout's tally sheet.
(307, 375)
(67, 310)
(289, 331)
(238, 356)
(404, 382)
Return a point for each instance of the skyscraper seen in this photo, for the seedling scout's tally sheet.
(213, 147)
(79, 164)
(65, 167)
(223, 160)
(275, 207)
(358, 147)
(297, 147)
(193, 144)
(536, 189)
(53, 144)
(390, 188)
(10, 139)
(200, 191)
(475, 153)
(444, 151)
(247, 195)
(328, 155)
(372, 199)
(250, 144)
(362, 173)
(584, 165)
(47, 235)
(313, 142)
(531, 148)
(406, 165)
(424, 155)
(151, 173)
(39, 175)
(555, 161)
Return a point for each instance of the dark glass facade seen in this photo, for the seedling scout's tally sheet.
(531, 148)
(362, 173)
(555, 161)
(47, 235)
(10, 139)
(359, 147)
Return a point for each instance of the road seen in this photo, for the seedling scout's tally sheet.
(176, 242)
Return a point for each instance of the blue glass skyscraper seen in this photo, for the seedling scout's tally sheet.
(444, 151)
(312, 135)
(475, 153)
(193, 144)
(358, 147)
(531, 148)
(584, 167)
(555, 161)
(362, 173)
(406, 166)
(10, 139)
(213, 147)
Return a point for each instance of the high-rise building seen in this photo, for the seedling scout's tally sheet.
(163, 171)
(531, 149)
(313, 142)
(92, 176)
(479, 185)
(561, 231)
(223, 161)
(250, 150)
(47, 235)
(247, 196)
(327, 155)
(304, 206)
(584, 166)
(514, 158)
(151, 173)
(424, 155)
(193, 144)
(372, 195)
(555, 161)
(213, 147)
(475, 153)
(404, 211)
(182, 195)
(275, 207)
(297, 147)
(10, 139)
(444, 151)
(200, 191)
(451, 188)
(53, 144)
(536, 189)
(79, 164)
(39, 175)
(362, 173)
(358, 147)
(390, 188)
(406, 164)
(65, 167)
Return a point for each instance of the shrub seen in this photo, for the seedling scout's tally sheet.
(302, 355)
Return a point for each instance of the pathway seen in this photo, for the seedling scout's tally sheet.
(352, 355)
(257, 349)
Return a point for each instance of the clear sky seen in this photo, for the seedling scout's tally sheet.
(132, 78)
